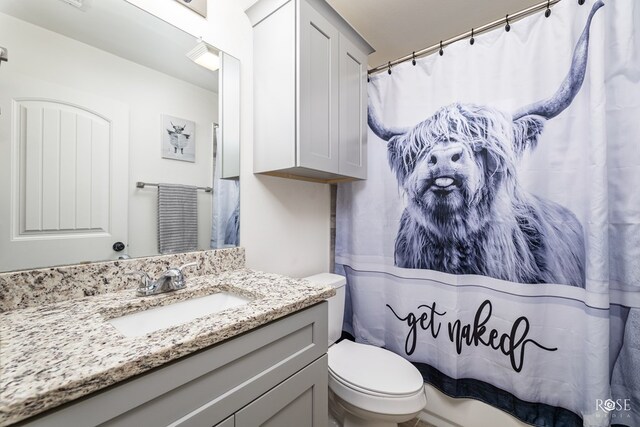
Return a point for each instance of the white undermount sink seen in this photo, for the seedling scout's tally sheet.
(143, 322)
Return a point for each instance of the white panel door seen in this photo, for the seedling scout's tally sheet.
(318, 86)
(64, 174)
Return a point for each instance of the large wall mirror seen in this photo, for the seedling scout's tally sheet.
(99, 102)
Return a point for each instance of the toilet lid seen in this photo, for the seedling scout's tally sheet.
(373, 369)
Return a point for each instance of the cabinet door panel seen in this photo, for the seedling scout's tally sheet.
(353, 110)
(299, 401)
(318, 86)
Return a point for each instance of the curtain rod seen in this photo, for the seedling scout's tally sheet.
(474, 32)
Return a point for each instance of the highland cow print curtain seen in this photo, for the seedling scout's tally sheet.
(496, 241)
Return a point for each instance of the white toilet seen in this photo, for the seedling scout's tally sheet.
(368, 386)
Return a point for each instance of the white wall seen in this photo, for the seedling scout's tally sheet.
(148, 94)
(284, 224)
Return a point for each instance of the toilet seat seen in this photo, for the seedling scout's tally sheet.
(373, 370)
(375, 379)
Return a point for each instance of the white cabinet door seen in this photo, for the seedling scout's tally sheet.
(353, 110)
(318, 87)
(299, 401)
(64, 174)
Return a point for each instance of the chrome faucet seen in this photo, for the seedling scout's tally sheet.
(170, 280)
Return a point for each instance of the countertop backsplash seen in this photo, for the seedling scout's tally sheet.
(29, 288)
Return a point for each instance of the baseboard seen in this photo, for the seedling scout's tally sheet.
(435, 420)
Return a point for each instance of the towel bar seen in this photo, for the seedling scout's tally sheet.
(141, 184)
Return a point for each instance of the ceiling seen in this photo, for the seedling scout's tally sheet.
(120, 28)
(396, 28)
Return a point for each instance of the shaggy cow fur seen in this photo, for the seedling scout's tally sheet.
(466, 212)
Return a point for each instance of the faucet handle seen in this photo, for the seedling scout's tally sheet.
(144, 276)
(189, 264)
(176, 277)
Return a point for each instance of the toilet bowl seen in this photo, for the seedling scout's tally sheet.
(368, 386)
(374, 387)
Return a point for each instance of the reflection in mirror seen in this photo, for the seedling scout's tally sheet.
(94, 99)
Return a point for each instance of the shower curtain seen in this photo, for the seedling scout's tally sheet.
(225, 225)
(496, 241)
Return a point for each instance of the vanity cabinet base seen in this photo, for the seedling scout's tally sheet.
(273, 373)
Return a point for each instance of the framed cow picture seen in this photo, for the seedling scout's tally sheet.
(178, 138)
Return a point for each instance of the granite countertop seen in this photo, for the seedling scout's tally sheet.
(55, 353)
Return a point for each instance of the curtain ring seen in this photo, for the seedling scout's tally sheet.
(547, 13)
(441, 51)
(472, 40)
(413, 61)
(507, 27)
(389, 70)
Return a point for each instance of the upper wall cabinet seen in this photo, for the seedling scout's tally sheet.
(310, 92)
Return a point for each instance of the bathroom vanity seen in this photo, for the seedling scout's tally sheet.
(260, 363)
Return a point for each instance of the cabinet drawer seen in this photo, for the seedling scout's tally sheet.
(205, 388)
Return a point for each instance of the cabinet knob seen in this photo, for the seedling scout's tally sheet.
(118, 246)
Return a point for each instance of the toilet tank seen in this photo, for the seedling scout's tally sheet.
(336, 303)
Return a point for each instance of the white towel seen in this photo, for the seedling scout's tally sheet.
(177, 218)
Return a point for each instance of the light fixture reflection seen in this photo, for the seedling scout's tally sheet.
(205, 55)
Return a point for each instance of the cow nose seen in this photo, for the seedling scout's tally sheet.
(446, 156)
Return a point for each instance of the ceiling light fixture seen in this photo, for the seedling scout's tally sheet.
(205, 55)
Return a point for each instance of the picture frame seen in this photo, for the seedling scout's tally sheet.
(198, 6)
(178, 138)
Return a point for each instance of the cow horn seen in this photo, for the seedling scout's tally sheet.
(378, 128)
(553, 106)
